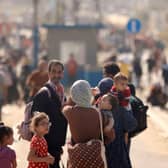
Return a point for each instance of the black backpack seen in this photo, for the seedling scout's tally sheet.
(140, 113)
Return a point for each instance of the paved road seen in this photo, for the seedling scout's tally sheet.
(148, 150)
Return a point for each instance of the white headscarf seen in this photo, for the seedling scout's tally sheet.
(81, 93)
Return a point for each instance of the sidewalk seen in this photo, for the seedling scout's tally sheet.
(158, 115)
(13, 114)
(160, 118)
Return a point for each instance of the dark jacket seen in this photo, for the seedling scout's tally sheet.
(51, 105)
(116, 152)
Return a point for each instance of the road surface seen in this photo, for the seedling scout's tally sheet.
(148, 150)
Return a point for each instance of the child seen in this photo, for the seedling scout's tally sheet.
(38, 155)
(121, 90)
(7, 155)
(106, 104)
(103, 87)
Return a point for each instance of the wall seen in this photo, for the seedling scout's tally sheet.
(88, 36)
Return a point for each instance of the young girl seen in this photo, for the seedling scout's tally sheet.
(7, 155)
(38, 156)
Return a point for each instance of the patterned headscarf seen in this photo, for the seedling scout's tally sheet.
(81, 93)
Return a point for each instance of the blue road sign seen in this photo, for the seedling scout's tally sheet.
(134, 25)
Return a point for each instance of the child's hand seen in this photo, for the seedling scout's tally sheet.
(95, 91)
(49, 159)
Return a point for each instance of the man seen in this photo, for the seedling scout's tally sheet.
(37, 78)
(5, 83)
(72, 67)
(50, 101)
(110, 69)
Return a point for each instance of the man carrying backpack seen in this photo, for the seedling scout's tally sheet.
(50, 101)
(110, 69)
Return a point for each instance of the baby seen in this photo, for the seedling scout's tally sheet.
(106, 104)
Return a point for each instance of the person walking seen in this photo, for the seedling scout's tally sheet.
(87, 156)
(72, 67)
(51, 101)
(137, 69)
(37, 78)
(5, 83)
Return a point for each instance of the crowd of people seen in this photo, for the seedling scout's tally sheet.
(100, 120)
(8, 80)
(146, 67)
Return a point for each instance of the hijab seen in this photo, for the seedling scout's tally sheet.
(81, 93)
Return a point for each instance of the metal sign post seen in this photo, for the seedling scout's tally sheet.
(133, 27)
(35, 33)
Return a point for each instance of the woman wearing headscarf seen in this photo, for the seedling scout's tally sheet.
(116, 152)
(84, 120)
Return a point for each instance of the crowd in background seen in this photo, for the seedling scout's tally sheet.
(16, 67)
(20, 82)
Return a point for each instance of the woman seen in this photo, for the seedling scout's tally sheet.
(84, 121)
(116, 152)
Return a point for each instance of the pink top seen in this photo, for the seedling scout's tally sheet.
(7, 156)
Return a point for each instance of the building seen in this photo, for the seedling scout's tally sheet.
(81, 40)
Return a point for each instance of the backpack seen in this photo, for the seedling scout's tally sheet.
(140, 113)
(24, 128)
